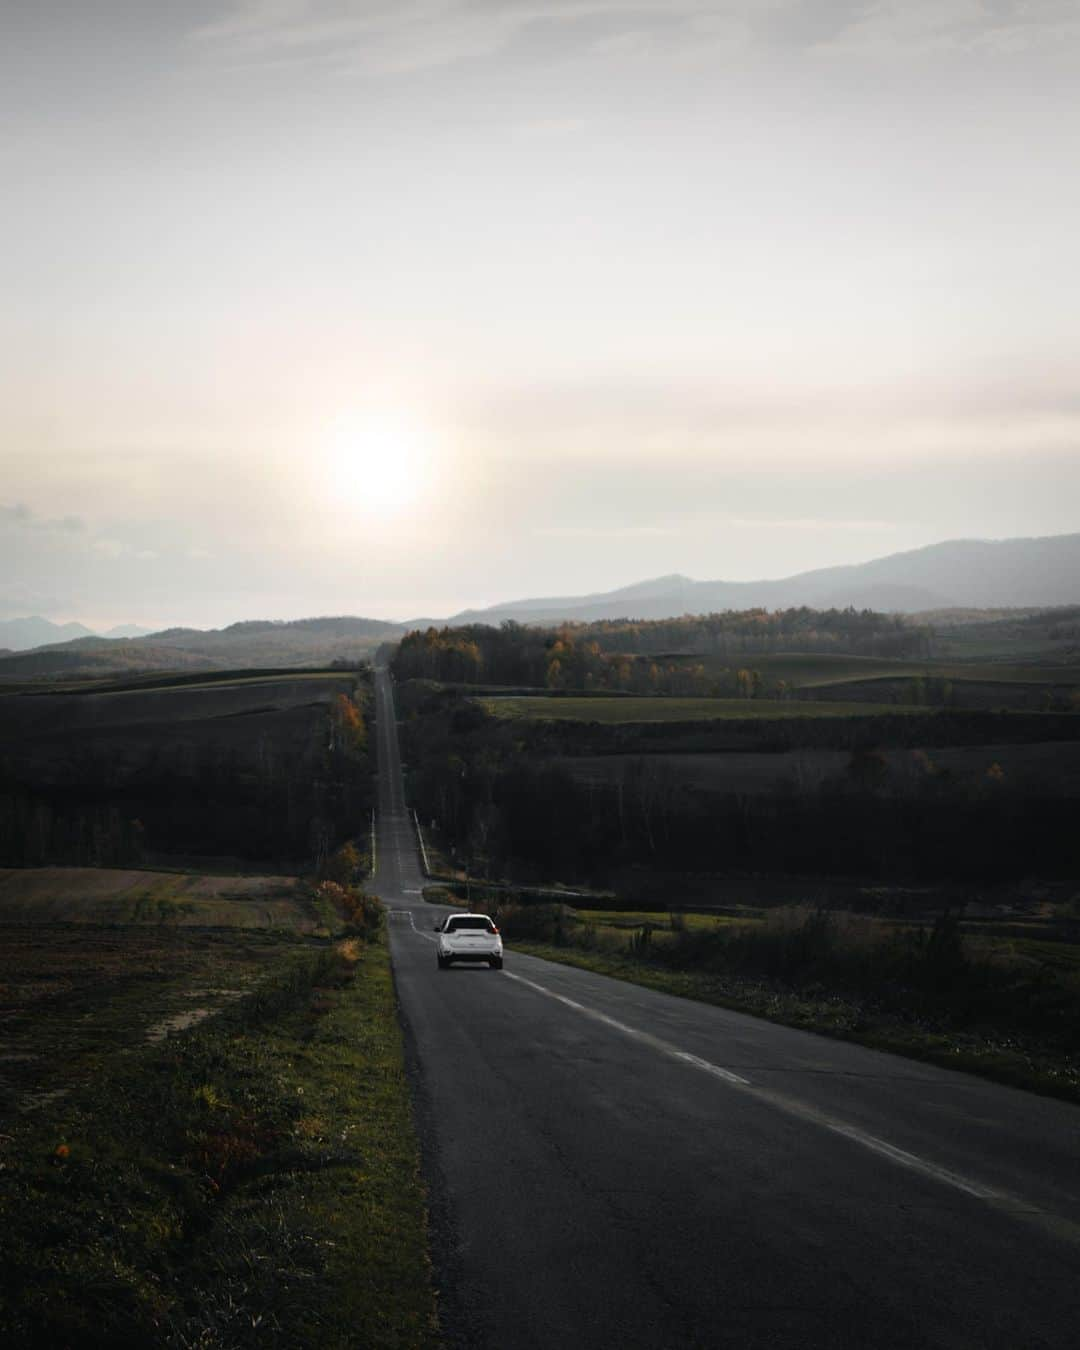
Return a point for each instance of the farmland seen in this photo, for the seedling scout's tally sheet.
(808, 670)
(202, 1080)
(893, 768)
(673, 709)
(260, 767)
(101, 895)
(202, 1086)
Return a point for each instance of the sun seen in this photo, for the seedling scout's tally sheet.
(379, 462)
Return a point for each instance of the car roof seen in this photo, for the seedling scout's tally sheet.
(467, 914)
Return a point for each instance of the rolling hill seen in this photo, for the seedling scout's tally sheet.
(262, 643)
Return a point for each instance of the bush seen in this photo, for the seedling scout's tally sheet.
(362, 914)
(536, 923)
(342, 865)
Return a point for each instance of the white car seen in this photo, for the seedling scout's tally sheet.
(469, 937)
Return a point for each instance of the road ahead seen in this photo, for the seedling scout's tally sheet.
(611, 1167)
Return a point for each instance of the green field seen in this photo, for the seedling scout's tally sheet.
(804, 671)
(175, 679)
(662, 709)
(210, 680)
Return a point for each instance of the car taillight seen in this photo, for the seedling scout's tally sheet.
(494, 929)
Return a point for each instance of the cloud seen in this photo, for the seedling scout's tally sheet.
(811, 523)
(17, 599)
(110, 548)
(22, 517)
(602, 531)
(379, 37)
(552, 126)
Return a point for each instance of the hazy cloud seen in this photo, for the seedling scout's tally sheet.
(732, 289)
(603, 532)
(809, 523)
(17, 599)
(22, 517)
(421, 34)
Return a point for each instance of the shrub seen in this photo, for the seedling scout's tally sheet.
(342, 865)
(361, 913)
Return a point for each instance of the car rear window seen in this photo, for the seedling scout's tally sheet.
(469, 922)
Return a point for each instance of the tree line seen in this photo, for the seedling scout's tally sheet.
(649, 656)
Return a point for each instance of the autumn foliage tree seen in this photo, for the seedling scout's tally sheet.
(653, 657)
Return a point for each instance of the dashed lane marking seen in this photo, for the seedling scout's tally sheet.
(1062, 1228)
(645, 1037)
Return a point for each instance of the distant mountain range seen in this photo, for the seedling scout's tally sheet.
(250, 643)
(969, 573)
(965, 573)
(22, 635)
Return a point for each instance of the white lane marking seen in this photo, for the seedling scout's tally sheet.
(901, 1156)
(787, 1104)
(654, 1041)
(408, 914)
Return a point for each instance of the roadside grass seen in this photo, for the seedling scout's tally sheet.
(253, 1181)
(1003, 1008)
(669, 709)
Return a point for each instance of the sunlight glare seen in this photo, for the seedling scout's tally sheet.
(379, 462)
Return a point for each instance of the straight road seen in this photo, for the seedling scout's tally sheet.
(612, 1167)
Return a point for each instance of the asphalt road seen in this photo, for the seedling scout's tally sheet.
(612, 1167)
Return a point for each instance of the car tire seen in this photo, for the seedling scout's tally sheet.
(496, 963)
(444, 964)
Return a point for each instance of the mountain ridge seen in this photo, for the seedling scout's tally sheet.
(1037, 571)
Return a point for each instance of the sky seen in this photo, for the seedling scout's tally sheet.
(394, 307)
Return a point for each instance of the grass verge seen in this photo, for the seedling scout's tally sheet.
(254, 1181)
(1001, 1058)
